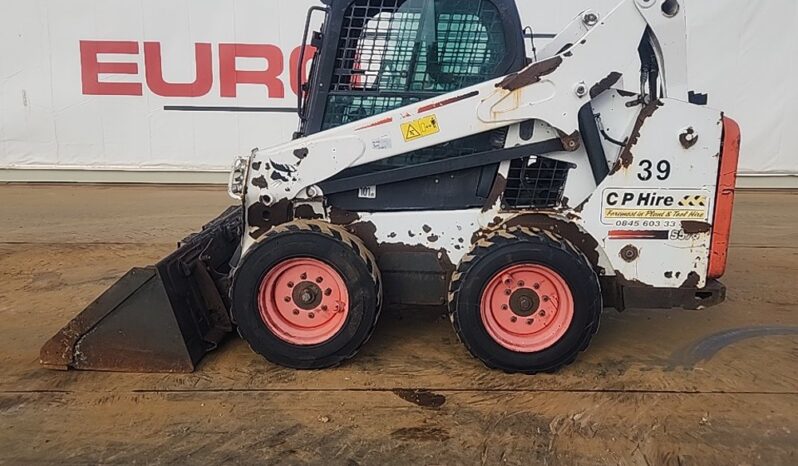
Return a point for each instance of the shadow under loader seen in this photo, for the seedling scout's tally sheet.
(161, 318)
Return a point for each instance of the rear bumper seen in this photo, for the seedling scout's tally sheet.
(640, 297)
(724, 202)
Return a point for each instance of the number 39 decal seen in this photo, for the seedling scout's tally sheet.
(647, 170)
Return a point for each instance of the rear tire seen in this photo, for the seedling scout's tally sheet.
(517, 326)
(307, 296)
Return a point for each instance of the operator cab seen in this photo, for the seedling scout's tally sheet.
(373, 56)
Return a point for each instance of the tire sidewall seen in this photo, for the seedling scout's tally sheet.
(574, 269)
(363, 309)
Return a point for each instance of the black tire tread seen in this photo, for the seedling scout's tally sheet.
(343, 236)
(487, 245)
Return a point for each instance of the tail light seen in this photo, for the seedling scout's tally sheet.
(724, 201)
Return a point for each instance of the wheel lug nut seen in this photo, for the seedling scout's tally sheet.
(319, 279)
(290, 284)
(529, 321)
(513, 319)
(296, 312)
(505, 307)
(312, 315)
(508, 292)
(327, 292)
(287, 299)
(546, 299)
(536, 286)
(521, 283)
(304, 276)
(542, 314)
(323, 307)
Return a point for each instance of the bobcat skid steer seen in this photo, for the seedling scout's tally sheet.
(436, 164)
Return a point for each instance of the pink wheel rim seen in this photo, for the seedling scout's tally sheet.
(303, 301)
(527, 308)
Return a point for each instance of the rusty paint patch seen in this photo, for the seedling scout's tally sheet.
(433, 238)
(531, 74)
(570, 142)
(256, 165)
(426, 228)
(306, 212)
(260, 182)
(626, 158)
(692, 280)
(443, 103)
(283, 167)
(301, 153)
(606, 83)
(342, 217)
(564, 48)
(581, 207)
(278, 176)
(499, 185)
(568, 230)
(688, 138)
(367, 232)
(692, 227)
(263, 218)
(384, 121)
(622, 281)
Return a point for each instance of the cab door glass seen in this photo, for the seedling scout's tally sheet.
(394, 53)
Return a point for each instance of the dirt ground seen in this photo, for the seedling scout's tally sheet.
(718, 386)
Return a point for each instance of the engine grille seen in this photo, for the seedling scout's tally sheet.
(536, 182)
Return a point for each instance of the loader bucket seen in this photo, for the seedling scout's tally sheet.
(162, 318)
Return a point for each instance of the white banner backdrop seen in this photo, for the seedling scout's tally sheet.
(96, 84)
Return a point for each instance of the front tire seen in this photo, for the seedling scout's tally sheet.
(307, 296)
(525, 300)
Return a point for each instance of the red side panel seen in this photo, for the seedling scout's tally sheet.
(724, 203)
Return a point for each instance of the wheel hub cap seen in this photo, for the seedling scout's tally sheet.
(303, 301)
(307, 295)
(524, 302)
(527, 308)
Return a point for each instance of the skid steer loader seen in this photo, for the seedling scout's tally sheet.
(437, 164)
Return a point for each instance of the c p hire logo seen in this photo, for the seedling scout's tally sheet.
(99, 58)
(682, 204)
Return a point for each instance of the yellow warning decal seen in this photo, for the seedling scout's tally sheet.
(420, 128)
(693, 201)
